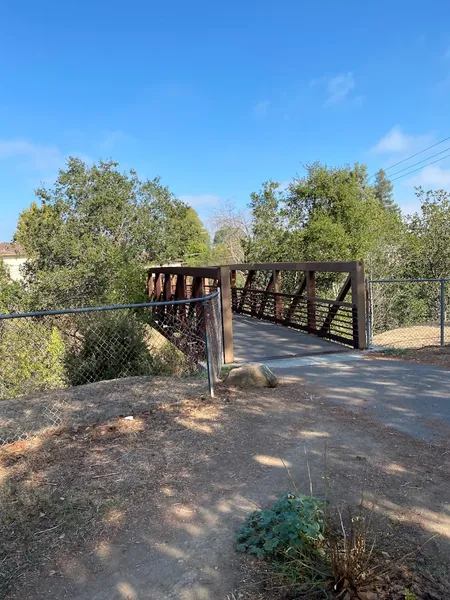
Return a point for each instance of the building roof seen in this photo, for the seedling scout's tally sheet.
(11, 249)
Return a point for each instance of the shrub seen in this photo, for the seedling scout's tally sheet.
(108, 346)
(31, 357)
(294, 523)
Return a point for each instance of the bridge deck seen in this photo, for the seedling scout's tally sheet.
(256, 341)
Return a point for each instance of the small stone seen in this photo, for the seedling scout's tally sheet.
(51, 573)
(129, 418)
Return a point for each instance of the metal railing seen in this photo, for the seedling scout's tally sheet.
(408, 313)
(56, 349)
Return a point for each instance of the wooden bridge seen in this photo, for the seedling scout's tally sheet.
(323, 299)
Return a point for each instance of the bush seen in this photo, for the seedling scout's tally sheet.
(31, 357)
(108, 346)
(295, 522)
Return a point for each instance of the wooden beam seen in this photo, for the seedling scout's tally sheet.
(197, 287)
(278, 309)
(205, 272)
(359, 302)
(333, 310)
(157, 286)
(180, 288)
(321, 267)
(150, 285)
(269, 288)
(310, 303)
(295, 301)
(232, 279)
(247, 285)
(167, 287)
(227, 315)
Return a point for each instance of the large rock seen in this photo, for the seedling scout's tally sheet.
(252, 375)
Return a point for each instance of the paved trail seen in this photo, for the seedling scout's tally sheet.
(412, 398)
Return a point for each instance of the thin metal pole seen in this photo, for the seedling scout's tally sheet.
(442, 312)
(71, 311)
(208, 350)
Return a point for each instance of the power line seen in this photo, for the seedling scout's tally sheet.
(420, 162)
(420, 168)
(417, 154)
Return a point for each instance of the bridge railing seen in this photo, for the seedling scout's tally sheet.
(289, 294)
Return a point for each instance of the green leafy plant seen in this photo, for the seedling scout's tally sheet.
(31, 357)
(294, 523)
(409, 595)
(108, 346)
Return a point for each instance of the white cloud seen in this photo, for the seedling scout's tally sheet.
(202, 201)
(261, 109)
(38, 157)
(397, 142)
(41, 163)
(339, 87)
(430, 177)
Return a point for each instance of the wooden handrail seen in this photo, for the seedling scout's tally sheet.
(319, 267)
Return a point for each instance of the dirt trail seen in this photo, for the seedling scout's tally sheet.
(181, 478)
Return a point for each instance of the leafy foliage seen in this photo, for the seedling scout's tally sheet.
(384, 191)
(11, 292)
(108, 346)
(427, 248)
(30, 363)
(294, 522)
(92, 235)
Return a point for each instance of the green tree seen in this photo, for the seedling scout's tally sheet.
(269, 225)
(91, 236)
(31, 356)
(11, 292)
(337, 215)
(198, 247)
(384, 191)
(427, 248)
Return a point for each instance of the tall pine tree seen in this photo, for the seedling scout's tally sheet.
(383, 191)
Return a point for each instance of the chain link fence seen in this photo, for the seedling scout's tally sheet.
(408, 313)
(46, 351)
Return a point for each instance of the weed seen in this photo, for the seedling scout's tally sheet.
(409, 595)
(396, 352)
(293, 523)
(224, 371)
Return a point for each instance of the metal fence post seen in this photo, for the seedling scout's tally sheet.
(209, 365)
(442, 312)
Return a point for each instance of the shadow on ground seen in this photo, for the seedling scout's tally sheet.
(154, 502)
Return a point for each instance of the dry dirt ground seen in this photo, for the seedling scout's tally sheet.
(438, 356)
(147, 509)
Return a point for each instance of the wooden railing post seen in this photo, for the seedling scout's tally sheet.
(310, 303)
(359, 302)
(227, 315)
(276, 275)
(234, 303)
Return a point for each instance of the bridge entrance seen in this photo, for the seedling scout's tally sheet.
(276, 310)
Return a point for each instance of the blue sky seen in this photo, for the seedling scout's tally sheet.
(218, 97)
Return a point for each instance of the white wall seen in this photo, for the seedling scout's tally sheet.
(13, 264)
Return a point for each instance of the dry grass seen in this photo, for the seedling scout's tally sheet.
(415, 336)
(77, 490)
